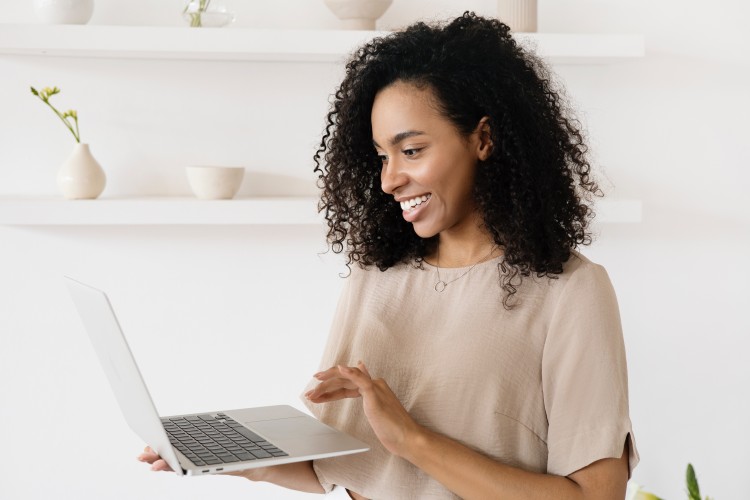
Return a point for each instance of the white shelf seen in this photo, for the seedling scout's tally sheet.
(191, 211)
(158, 211)
(238, 44)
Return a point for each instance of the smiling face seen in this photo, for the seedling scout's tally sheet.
(428, 166)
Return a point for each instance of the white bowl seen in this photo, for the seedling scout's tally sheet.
(358, 14)
(64, 11)
(215, 183)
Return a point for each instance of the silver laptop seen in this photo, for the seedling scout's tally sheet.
(207, 442)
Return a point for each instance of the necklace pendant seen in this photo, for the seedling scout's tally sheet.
(440, 286)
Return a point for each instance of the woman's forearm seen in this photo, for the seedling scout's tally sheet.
(464, 471)
(470, 474)
(298, 476)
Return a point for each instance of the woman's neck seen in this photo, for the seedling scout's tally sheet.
(463, 248)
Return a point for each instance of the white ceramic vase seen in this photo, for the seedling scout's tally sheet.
(520, 15)
(358, 14)
(64, 11)
(81, 177)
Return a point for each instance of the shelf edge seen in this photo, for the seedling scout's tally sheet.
(239, 44)
(187, 211)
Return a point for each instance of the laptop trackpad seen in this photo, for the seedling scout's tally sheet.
(289, 428)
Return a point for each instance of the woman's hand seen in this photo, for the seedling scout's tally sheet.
(296, 476)
(153, 458)
(158, 464)
(391, 423)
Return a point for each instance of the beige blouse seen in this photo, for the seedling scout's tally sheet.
(542, 387)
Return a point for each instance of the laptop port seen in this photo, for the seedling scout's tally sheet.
(219, 469)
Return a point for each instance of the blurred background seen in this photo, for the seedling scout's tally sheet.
(254, 302)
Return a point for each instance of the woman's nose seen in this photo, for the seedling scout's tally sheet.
(391, 177)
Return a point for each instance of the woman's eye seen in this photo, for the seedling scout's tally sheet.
(410, 152)
(383, 158)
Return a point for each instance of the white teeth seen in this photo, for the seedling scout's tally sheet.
(409, 204)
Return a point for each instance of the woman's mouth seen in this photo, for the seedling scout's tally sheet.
(413, 206)
(414, 202)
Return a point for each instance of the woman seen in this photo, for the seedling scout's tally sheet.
(473, 348)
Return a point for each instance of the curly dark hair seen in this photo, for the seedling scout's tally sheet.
(534, 191)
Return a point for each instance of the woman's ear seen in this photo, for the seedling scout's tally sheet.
(484, 146)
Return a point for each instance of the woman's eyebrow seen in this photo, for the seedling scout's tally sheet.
(400, 137)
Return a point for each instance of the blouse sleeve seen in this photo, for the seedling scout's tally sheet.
(584, 376)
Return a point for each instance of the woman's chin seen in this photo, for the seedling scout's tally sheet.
(424, 231)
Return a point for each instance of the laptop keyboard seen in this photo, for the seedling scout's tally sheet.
(209, 440)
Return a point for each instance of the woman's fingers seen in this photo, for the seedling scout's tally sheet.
(358, 377)
(388, 418)
(339, 382)
(341, 388)
(332, 372)
(160, 465)
(333, 395)
(329, 385)
(153, 458)
(148, 455)
(362, 367)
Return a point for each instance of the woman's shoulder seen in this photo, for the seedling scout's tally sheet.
(581, 266)
(581, 276)
(578, 264)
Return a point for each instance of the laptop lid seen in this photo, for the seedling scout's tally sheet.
(122, 371)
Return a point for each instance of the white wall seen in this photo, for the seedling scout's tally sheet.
(669, 129)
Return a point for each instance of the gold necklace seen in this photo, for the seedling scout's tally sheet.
(441, 285)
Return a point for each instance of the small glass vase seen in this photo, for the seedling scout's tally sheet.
(201, 14)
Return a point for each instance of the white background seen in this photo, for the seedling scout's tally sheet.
(225, 317)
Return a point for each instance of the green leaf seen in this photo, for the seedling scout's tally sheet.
(33, 91)
(645, 495)
(694, 492)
